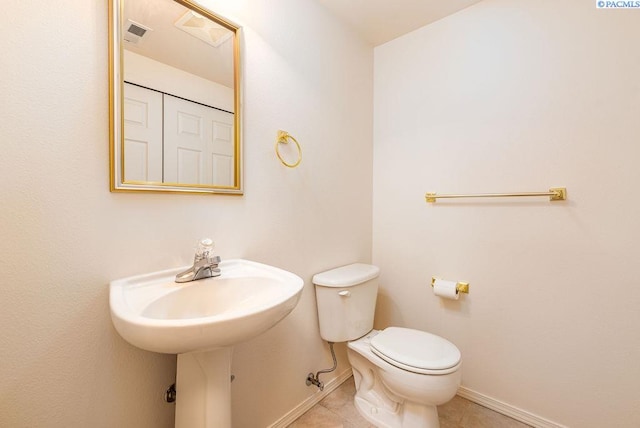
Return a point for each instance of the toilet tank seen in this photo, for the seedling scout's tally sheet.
(346, 298)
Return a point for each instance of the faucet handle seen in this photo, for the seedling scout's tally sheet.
(204, 249)
(206, 242)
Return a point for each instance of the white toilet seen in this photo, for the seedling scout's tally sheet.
(401, 374)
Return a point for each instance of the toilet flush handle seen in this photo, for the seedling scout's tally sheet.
(345, 293)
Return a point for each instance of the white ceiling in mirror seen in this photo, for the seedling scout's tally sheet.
(177, 41)
(379, 21)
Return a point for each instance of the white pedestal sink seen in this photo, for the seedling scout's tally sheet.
(201, 321)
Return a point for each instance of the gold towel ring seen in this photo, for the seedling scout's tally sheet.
(284, 137)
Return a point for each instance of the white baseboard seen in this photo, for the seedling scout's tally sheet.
(311, 401)
(471, 395)
(507, 409)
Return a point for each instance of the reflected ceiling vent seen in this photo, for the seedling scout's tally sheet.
(134, 31)
(203, 28)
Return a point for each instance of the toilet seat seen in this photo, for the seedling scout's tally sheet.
(416, 351)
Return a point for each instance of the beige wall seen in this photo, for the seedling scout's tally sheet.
(64, 235)
(515, 96)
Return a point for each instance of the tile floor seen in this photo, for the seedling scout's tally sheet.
(336, 410)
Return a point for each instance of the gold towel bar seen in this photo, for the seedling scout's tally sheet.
(555, 194)
(461, 287)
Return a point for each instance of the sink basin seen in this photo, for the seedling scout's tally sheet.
(155, 313)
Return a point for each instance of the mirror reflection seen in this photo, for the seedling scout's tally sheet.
(175, 115)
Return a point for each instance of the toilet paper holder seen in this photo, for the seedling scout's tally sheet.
(461, 287)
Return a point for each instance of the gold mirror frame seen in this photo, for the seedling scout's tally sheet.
(116, 110)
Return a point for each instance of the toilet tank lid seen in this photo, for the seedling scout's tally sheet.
(347, 276)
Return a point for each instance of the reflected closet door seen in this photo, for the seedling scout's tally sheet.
(142, 134)
(198, 143)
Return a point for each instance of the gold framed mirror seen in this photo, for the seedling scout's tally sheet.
(174, 98)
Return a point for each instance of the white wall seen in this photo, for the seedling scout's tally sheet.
(64, 235)
(517, 95)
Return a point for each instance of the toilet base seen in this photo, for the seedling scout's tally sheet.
(418, 415)
(389, 397)
(408, 415)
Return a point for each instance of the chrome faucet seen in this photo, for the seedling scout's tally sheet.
(205, 264)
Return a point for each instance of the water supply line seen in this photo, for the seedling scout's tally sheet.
(315, 379)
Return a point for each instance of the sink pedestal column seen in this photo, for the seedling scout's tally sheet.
(203, 389)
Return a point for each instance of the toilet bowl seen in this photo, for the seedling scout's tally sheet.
(411, 394)
(401, 374)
